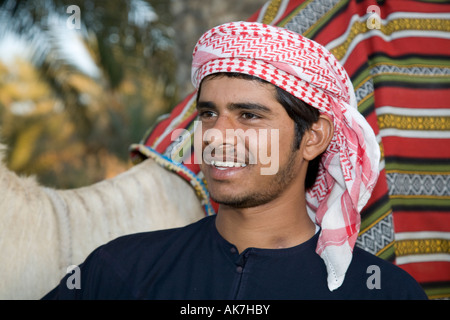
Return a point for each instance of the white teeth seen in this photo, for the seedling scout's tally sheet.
(227, 164)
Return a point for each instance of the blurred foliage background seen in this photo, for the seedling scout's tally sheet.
(73, 98)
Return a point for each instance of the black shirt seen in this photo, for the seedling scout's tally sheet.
(196, 262)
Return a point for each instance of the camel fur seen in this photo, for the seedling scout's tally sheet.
(44, 231)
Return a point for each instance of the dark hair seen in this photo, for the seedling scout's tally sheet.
(302, 113)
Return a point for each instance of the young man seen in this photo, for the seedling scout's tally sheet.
(283, 231)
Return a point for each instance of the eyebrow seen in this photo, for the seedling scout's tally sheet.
(248, 106)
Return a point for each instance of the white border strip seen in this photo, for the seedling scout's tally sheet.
(413, 111)
(418, 134)
(422, 235)
(423, 258)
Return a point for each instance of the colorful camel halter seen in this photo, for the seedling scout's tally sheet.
(349, 167)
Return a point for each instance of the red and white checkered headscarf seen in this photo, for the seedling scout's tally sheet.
(349, 167)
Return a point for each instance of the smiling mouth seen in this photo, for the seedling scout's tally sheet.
(223, 165)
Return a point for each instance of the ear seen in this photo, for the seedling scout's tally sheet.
(318, 137)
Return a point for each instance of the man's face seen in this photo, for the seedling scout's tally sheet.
(233, 163)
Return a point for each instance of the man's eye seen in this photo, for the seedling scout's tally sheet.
(249, 116)
(206, 114)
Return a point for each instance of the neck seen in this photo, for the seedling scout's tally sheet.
(282, 223)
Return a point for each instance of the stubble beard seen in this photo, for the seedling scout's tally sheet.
(273, 189)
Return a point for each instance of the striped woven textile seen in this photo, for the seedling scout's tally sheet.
(397, 54)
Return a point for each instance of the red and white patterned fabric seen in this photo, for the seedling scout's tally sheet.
(349, 167)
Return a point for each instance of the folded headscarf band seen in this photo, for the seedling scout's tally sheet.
(349, 167)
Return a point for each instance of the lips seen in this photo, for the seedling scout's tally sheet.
(225, 162)
(225, 170)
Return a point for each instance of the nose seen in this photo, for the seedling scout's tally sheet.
(219, 132)
(220, 141)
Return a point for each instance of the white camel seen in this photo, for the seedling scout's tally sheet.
(43, 231)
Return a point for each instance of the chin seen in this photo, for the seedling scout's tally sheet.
(241, 202)
(231, 200)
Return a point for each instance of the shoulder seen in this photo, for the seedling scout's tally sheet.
(382, 279)
(116, 269)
